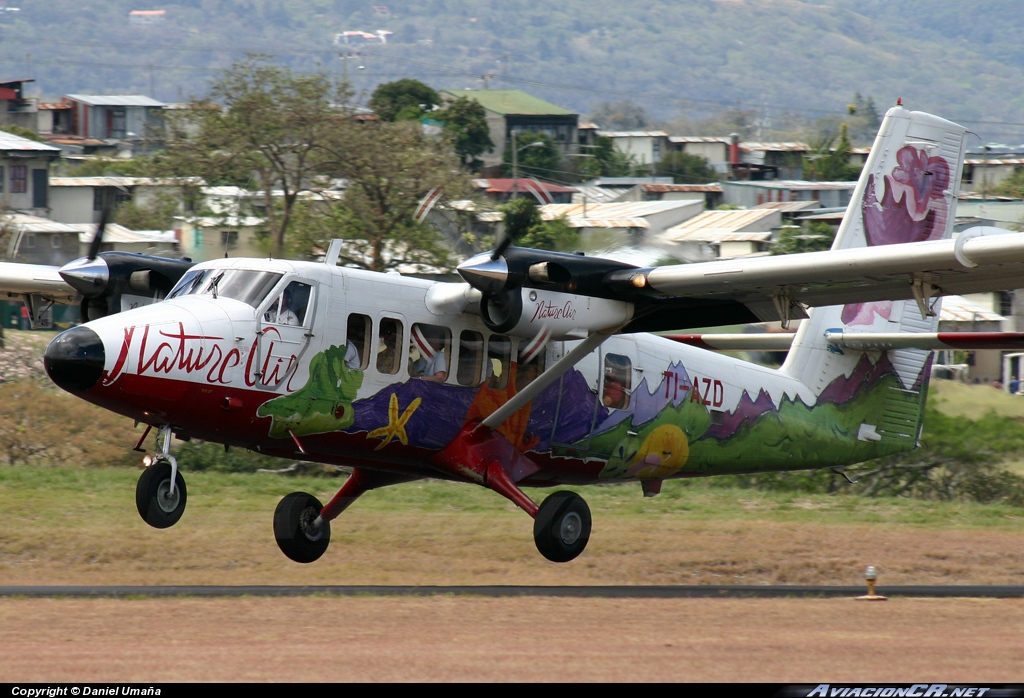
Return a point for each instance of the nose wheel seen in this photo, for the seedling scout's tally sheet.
(300, 532)
(160, 504)
(561, 528)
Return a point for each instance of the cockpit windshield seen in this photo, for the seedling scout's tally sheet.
(243, 285)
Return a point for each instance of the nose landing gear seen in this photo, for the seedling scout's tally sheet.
(160, 494)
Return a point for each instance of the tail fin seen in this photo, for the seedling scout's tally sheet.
(906, 193)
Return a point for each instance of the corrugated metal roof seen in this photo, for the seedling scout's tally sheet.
(789, 206)
(633, 134)
(44, 106)
(511, 102)
(995, 161)
(114, 232)
(959, 309)
(716, 224)
(8, 141)
(121, 181)
(598, 195)
(116, 100)
(708, 236)
(793, 185)
(776, 147)
(505, 184)
(699, 139)
(35, 224)
(580, 222)
(615, 209)
(667, 188)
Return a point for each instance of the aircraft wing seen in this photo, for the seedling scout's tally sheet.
(775, 288)
(781, 341)
(888, 272)
(42, 280)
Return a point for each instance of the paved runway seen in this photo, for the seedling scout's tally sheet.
(608, 592)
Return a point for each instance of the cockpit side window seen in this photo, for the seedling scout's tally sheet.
(291, 306)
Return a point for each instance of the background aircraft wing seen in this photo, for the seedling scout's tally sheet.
(42, 280)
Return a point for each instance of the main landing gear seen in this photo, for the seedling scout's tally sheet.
(160, 495)
(561, 527)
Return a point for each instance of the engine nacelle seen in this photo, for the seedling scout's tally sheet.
(526, 311)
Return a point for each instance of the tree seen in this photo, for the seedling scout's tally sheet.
(527, 228)
(403, 100)
(390, 168)
(686, 168)
(533, 160)
(829, 160)
(21, 131)
(465, 122)
(1012, 186)
(811, 237)
(620, 116)
(268, 134)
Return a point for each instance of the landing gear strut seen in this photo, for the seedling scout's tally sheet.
(561, 528)
(160, 495)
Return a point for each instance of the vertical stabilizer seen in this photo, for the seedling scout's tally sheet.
(906, 193)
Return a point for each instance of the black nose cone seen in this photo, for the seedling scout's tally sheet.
(74, 359)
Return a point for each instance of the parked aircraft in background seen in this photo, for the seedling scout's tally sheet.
(539, 371)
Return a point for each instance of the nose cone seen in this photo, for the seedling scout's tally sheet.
(74, 359)
(483, 273)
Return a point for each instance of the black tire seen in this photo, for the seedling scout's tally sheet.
(293, 530)
(151, 496)
(561, 529)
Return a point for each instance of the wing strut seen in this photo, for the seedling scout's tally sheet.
(480, 454)
(534, 388)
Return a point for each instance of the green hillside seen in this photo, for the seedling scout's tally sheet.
(791, 61)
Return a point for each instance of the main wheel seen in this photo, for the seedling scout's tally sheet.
(294, 529)
(157, 506)
(562, 527)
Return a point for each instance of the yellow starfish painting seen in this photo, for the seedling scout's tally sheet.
(396, 425)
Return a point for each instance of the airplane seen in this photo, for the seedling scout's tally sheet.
(539, 369)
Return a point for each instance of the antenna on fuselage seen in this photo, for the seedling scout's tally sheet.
(333, 253)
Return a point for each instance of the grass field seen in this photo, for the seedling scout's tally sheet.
(67, 525)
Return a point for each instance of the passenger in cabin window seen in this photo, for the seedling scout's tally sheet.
(356, 342)
(427, 356)
(617, 374)
(387, 354)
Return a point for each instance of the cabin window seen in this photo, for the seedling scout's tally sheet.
(388, 345)
(429, 349)
(529, 365)
(357, 347)
(291, 307)
(499, 349)
(471, 357)
(618, 381)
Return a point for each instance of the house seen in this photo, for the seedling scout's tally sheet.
(747, 160)
(37, 240)
(163, 243)
(718, 151)
(130, 118)
(722, 234)
(82, 199)
(202, 238)
(503, 189)
(643, 148)
(747, 194)
(16, 108)
(25, 174)
(515, 111)
(985, 170)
